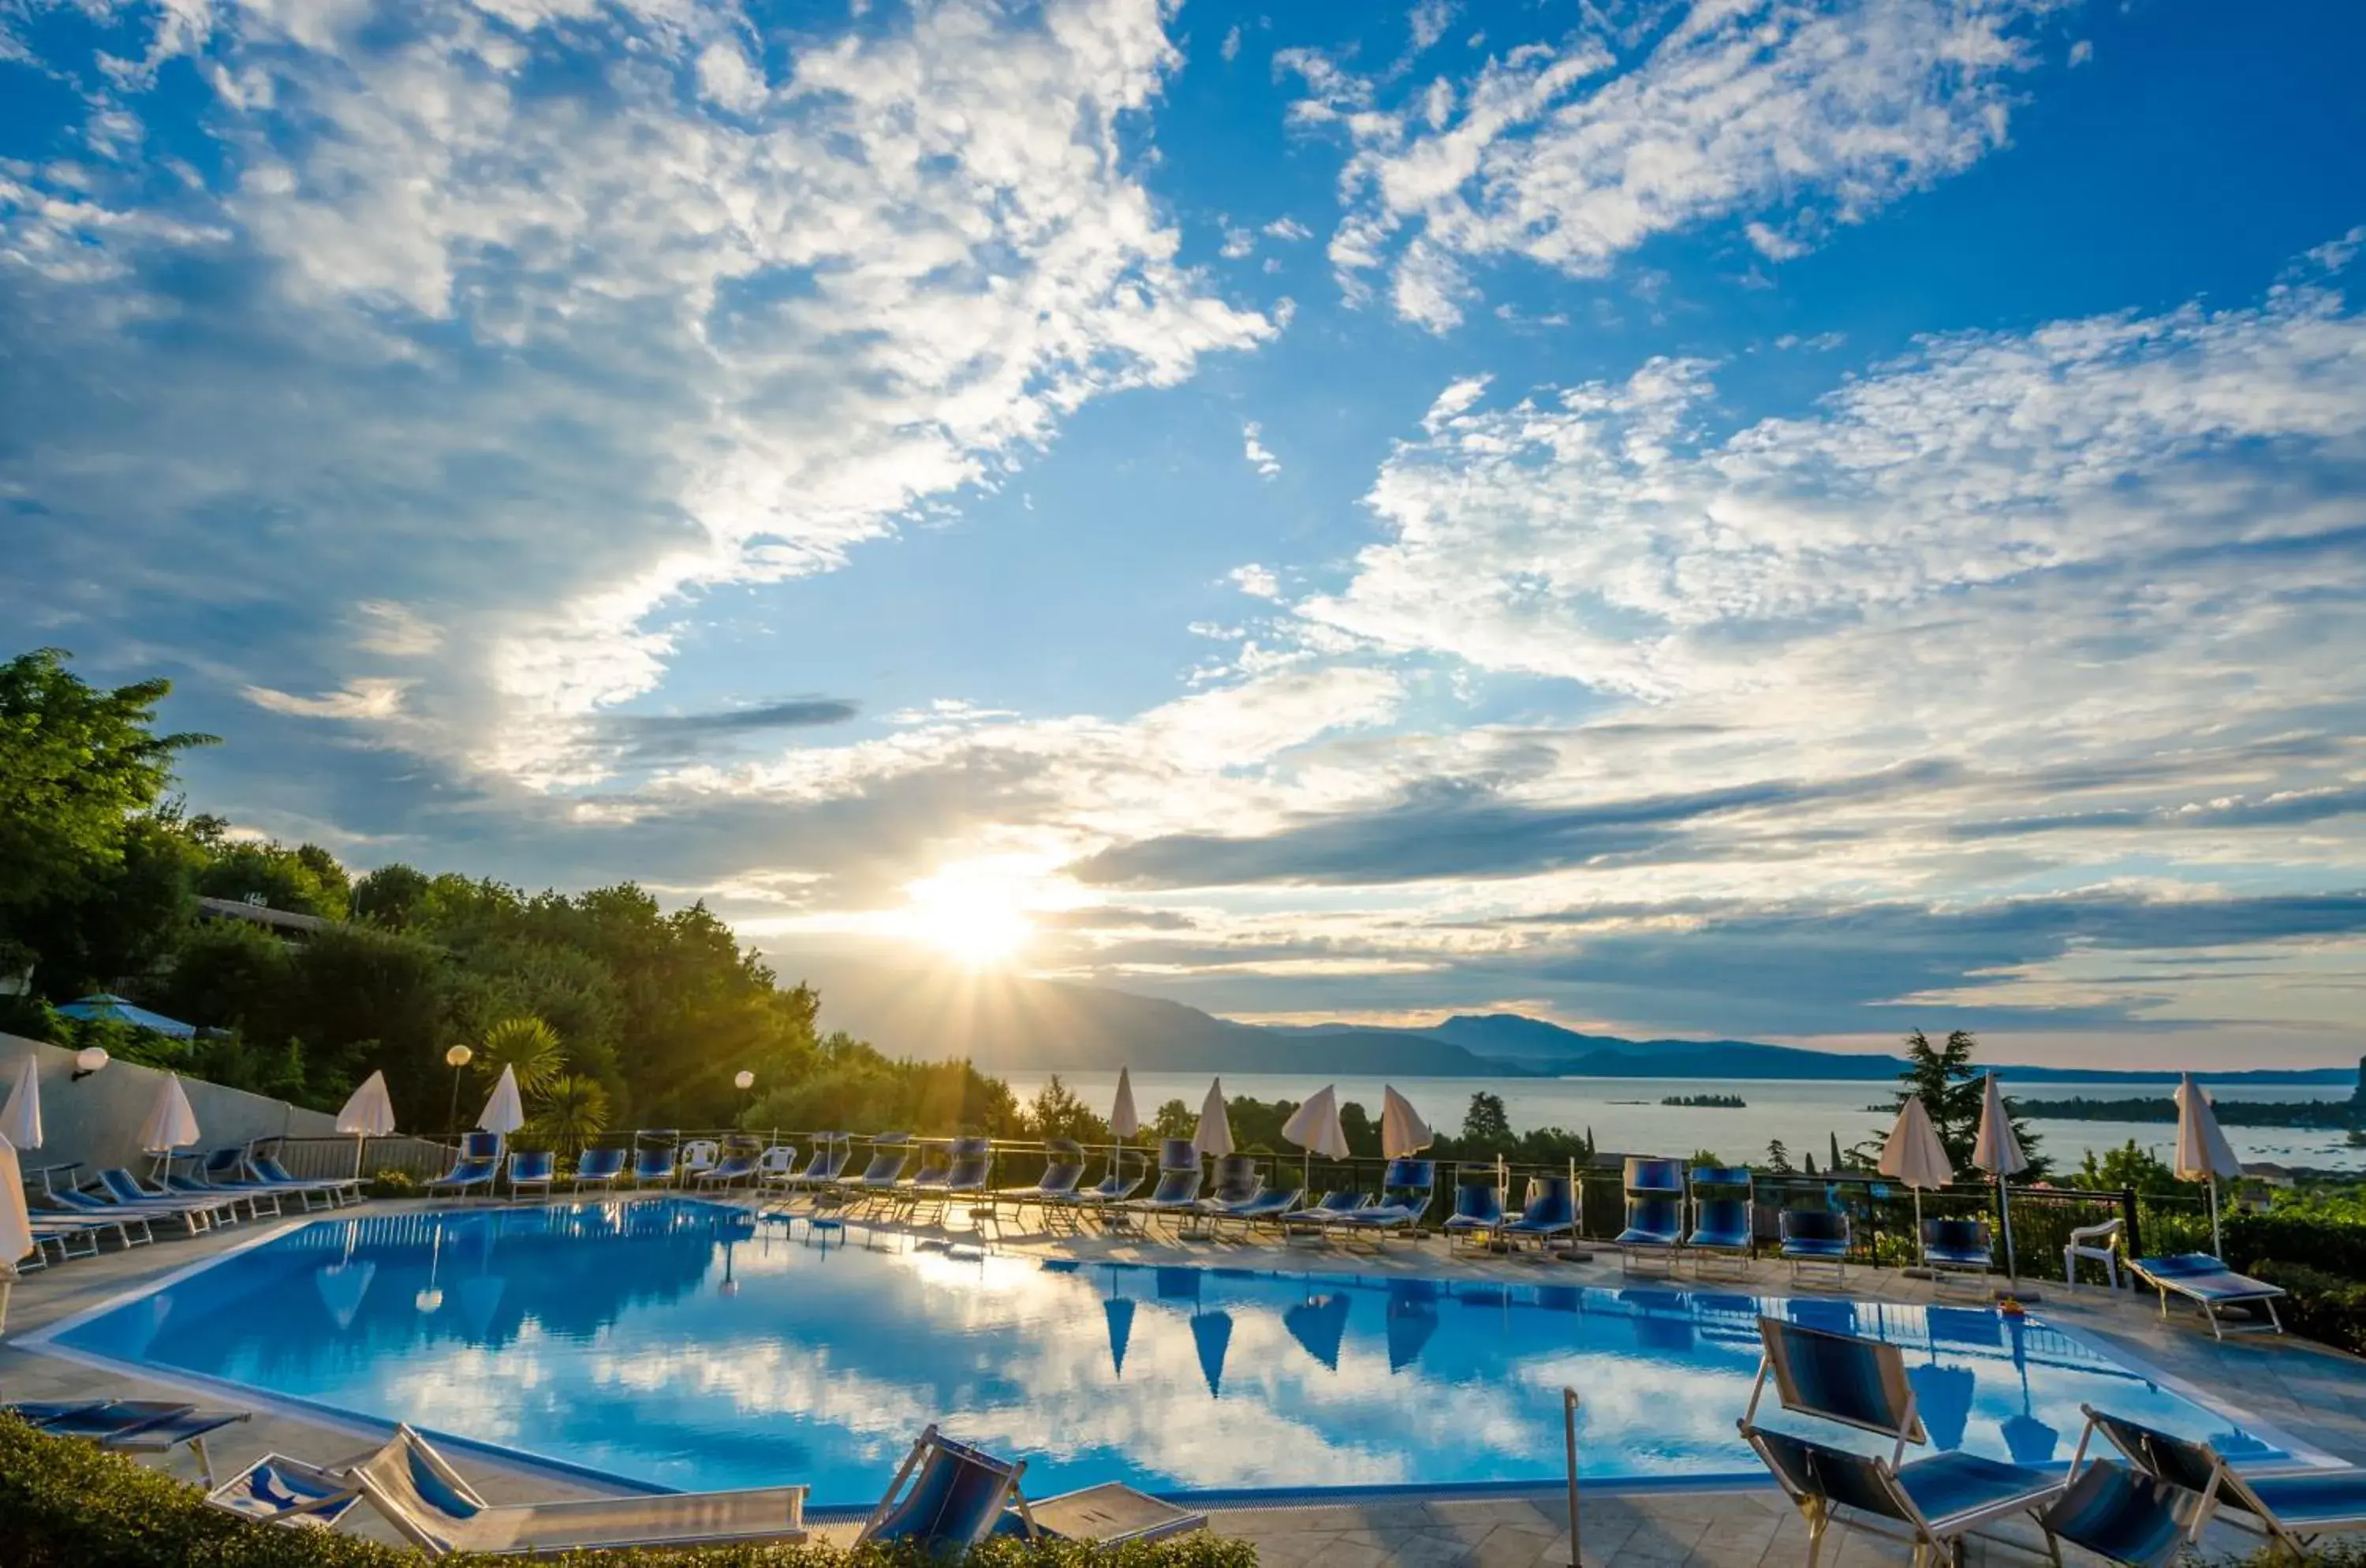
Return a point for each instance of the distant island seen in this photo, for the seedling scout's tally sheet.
(2332, 1114)
(1707, 1101)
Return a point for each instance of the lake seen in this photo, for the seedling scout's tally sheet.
(1626, 1113)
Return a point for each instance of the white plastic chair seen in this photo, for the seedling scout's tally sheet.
(778, 1163)
(699, 1154)
(2097, 1243)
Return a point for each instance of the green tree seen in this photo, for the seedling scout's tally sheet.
(124, 921)
(1778, 1158)
(76, 762)
(1486, 1124)
(2130, 1169)
(1174, 1120)
(525, 1046)
(393, 895)
(306, 880)
(1057, 1112)
(570, 1113)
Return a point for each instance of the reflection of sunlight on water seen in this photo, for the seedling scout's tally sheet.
(604, 1336)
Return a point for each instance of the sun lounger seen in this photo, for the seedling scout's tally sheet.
(90, 1206)
(1237, 1180)
(2210, 1285)
(1267, 1207)
(1655, 1214)
(1478, 1210)
(226, 1170)
(1816, 1238)
(738, 1164)
(125, 1188)
(1180, 1175)
(1724, 1215)
(196, 1217)
(598, 1167)
(1934, 1503)
(2292, 1510)
(890, 1152)
(1128, 1170)
(135, 1426)
(1551, 1210)
(823, 1167)
(949, 1495)
(1331, 1208)
(654, 1164)
(1063, 1167)
(1959, 1254)
(479, 1161)
(276, 1489)
(339, 1189)
(421, 1494)
(530, 1167)
(253, 1197)
(2123, 1515)
(1406, 1188)
(972, 1168)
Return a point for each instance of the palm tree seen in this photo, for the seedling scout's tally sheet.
(572, 1112)
(528, 1047)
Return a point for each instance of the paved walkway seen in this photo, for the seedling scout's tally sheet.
(2313, 1395)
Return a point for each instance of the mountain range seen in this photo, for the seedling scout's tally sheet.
(1004, 1021)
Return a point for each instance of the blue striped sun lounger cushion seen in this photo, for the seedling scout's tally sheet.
(276, 1487)
(2199, 1275)
(1950, 1485)
(1551, 1208)
(2123, 1515)
(1815, 1233)
(1724, 1225)
(1956, 1244)
(1858, 1383)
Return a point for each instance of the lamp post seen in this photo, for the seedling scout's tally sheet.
(456, 1058)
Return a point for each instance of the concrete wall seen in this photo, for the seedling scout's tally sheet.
(98, 1121)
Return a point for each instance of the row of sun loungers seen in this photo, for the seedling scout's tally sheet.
(947, 1495)
(231, 1186)
(2143, 1508)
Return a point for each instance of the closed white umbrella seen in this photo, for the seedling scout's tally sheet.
(1315, 1127)
(2203, 1152)
(1122, 1120)
(20, 1119)
(1214, 1137)
(1402, 1131)
(504, 1113)
(1998, 1151)
(1914, 1156)
(171, 1124)
(15, 1225)
(368, 1114)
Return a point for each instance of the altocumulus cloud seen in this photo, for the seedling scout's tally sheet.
(515, 328)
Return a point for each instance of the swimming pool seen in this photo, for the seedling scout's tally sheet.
(683, 1344)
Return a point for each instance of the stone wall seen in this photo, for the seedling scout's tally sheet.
(97, 1121)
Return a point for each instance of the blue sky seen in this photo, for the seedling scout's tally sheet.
(1784, 519)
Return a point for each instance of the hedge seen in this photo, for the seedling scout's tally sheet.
(65, 1503)
(2327, 1307)
(2336, 1246)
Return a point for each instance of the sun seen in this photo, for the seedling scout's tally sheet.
(976, 912)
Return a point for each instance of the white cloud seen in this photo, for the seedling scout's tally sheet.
(1257, 581)
(1555, 153)
(2081, 53)
(1427, 22)
(1288, 230)
(364, 699)
(668, 349)
(1266, 465)
(1231, 48)
(1239, 242)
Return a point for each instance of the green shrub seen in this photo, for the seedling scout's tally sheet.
(2331, 1241)
(2327, 1307)
(67, 1504)
(393, 1184)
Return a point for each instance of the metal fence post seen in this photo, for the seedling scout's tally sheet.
(2134, 1226)
(1568, 1433)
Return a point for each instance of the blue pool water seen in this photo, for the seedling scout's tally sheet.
(688, 1345)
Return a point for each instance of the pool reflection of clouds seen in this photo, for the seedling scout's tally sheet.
(612, 1345)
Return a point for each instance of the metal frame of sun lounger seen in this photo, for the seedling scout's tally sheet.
(934, 1456)
(1268, 1207)
(253, 1197)
(1724, 1234)
(2245, 1502)
(1664, 1243)
(54, 1225)
(1862, 1384)
(1553, 1207)
(1959, 1254)
(388, 1480)
(1326, 1212)
(1805, 1252)
(1236, 1182)
(2120, 1514)
(966, 1164)
(251, 1178)
(2257, 1292)
(276, 1489)
(891, 1154)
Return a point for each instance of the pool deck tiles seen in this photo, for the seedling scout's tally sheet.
(2308, 1392)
